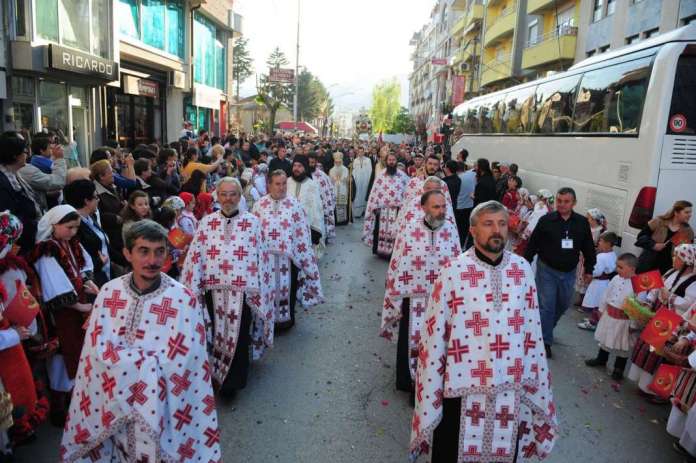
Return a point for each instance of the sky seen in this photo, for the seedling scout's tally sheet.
(350, 45)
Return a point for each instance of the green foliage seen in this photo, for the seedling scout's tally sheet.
(242, 64)
(274, 94)
(403, 122)
(311, 93)
(385, 105)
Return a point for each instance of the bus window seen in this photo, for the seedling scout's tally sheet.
(471, 124)
(497, 106)
(683, 98)
(485, 120)
(519, 108)
(610, 100)
(553, 109)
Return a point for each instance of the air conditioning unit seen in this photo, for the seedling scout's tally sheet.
(235, 22)
(465, 67)
(176, 79)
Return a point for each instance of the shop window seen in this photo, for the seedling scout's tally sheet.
(69, 23)
(610, 100)
(53, 106)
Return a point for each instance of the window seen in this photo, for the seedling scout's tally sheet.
(565, 20)
(209, 54)
(633, 39)
(603, 49)
(128, 18)
(53, 105)
(74, 23)
(519, 108)
(682, 97)
(598, 11)
(157, 23)
(611, 7)
(610, 100)
(533, 33)
(152, 12)
(651, 33)
(590, 53)
(47, 19)
(20, 18)
(80, 24)
(554, 105)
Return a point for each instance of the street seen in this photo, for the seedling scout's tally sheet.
(325, 393)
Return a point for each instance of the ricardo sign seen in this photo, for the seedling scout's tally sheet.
(66, 59)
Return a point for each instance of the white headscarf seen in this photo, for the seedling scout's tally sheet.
(52, 217)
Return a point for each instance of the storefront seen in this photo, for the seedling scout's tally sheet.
(205, 109)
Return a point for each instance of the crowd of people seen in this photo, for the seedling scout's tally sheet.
(136, 288)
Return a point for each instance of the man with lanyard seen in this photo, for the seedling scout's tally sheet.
(558, 240)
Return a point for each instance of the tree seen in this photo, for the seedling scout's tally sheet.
(403, 122)
(242, 66)
(385, 105)
(274, 94)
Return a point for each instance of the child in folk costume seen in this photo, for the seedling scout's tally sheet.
(187, 221)
(64, 269)
(29, 410)
(614, 328)
(604, 270)
(598, 225)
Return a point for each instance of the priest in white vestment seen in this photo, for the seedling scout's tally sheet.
(483, 387)
(362, 171)
(413, 209)
(227, 267)
(342, 182)
(285, 234)
(328, 196)
(425, 245)
(143, 389)
(306, 191)
(415, 184)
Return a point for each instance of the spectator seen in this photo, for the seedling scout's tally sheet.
(485, 183)
(110, 205)
(137, 208)
(46, 171)
(196, 184)
(658, 237)
(124, 181)
(158, 189)
(191, 165)
(465, 202)
(501, 183)
(453, 182)
(511, 198)
(283, 164)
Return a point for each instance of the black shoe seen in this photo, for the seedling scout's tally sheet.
(595, 362)
(549, 354)
(617, 375)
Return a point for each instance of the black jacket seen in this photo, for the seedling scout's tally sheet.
(485, 190)
(92, 244)
(20, 205)
(454, 184)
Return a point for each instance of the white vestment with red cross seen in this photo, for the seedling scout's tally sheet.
(412, 210)
(143, 389)
(228, 259)
(387, 198)
(328, 201)
(414, 188)
(285, 234)
(482, 342)
(419, 254)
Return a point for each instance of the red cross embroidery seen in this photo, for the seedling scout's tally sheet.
(110, 353)
(477, 323)
(252, 269)
(214, 223)
(457, 350)
(446, 235)
(95, 333)
(529, 297)
(88, 367)
(418, 263)
(137, 395)
(181, 383)
(406, 278)
(213, 436)
(529, 450)
(430, 324)
(285, 224)
(207, 371)
(523, 429)
(95, 453)
(516, 370)
(482, 373)
(240, 253)
(418, 234)
(528, 343)
(213, 252)
(415, 424)
(177, 346)
(244, 224)
(106, 418)
(516, 321)
(475, 413)
(200, 329)
(85, 402)
(472, 451)
(108, 384)
(431, 277)
(472, 275)
(209, 402)
(504, 297)
(81, 435)
(542, 432)
(499, 346)
(407, 249)
(454, 302)
(516, 273)
(419, 391)
(274, 234)
(115, 303)
(418, 309)
(186, 450)
(422, 355)
(239, 281)
(437, 403)
(504, 416)
(164, 311)
(182, 417)
(226, 267)
(162, 384)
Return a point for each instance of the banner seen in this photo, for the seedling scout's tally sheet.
(665, 380)
(660, 328)
(458, 90)
(647, 281)
(23, 308)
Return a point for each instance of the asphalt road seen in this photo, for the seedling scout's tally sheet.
(325, 392)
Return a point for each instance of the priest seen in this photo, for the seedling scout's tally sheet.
(424, 245)
(143, 390)
(379, 228)
(482, 380)
(305, 190)
(227, 268)
(285, 234)
(342, 183)
(413, 209)
(328, 196)
(362, 171)
(415, 184)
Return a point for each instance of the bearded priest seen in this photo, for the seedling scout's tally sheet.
(422, 248)
(328, 197)
(482, 380)
(306, 191)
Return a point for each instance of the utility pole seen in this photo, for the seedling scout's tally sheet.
(297, 68)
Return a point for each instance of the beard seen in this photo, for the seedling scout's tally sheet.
(391, 170)
(429, 173)
(435, 222)
(299, 178)
(495, 243)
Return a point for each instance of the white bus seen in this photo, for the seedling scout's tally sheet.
(619, 128)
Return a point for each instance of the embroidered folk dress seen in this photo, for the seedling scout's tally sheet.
(143, 390)
(294, 269)
(386, 198)
(482, 343)
(418, 255)
(613, 330)
(328, 201)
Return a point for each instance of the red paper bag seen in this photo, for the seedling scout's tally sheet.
(660, 328)
(179, 239)
(647, 281)
(23, 308)
(664, 380)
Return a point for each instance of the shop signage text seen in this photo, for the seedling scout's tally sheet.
(66, 59)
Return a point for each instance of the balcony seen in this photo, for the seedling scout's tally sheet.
(536, 6)
(474, 14)
(496, 70)
(503, 26)
(556, 46)
(458, 26)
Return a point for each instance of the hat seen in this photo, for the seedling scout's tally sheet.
(302, 160)
(597, 215)
(545, 194)
(10, 231)
(186, 197)
(52, 217)
(174, 203)
(687, 254)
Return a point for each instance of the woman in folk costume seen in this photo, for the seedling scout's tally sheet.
(598, 225)
(678, 294)
(65, 270)
(15, 371)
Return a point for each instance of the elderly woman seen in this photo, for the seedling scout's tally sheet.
(662, 234)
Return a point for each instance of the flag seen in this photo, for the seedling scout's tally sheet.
(23, 308)
(179, 239)
(665, 380)
(660, 328)
(647, 281)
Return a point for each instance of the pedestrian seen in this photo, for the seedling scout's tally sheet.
(662, 234)
(137, 209)
(485, 183)
(281, 162)
(454, 184)
(482, 371)
(465, 202)
(614, 330)
(604, 271)
(558, 239)
(143, 379)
